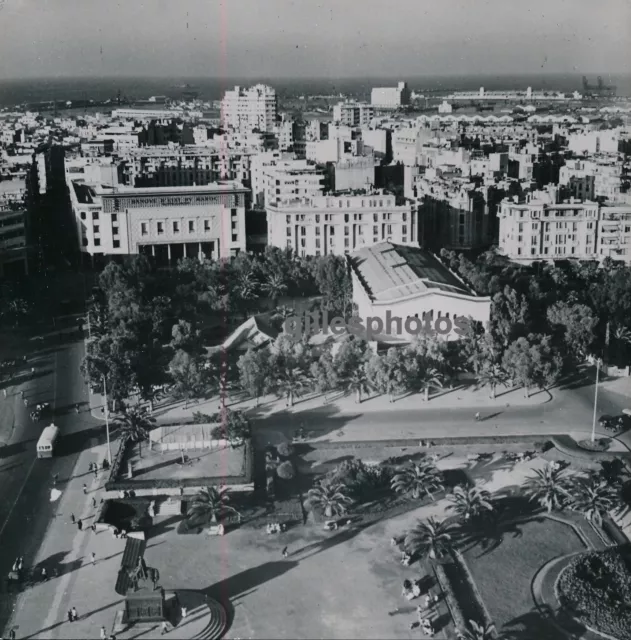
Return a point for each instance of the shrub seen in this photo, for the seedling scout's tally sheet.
(361, 479)
(596, 586)
(285, 470)
(285, 449)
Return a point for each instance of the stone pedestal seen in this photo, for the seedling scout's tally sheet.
(145, 605)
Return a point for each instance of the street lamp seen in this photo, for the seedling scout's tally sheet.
(107, 422)
(598, 363)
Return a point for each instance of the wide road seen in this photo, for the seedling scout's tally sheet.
(25, 481)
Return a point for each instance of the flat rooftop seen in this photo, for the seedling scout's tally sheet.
(390, 272)
(217, 187)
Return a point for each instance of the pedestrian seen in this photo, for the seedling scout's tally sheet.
(103, 633)
(55, 479)
(90, 467)
(20, 563)
(165, 627)
(85, 489)
(284, 552)
(22, 393)
(477, 416)
(25, 402)
(93, 527)
(75, 615)
(94, 502)
(184, 613)
(93, 558)
(70, 618)
(72, 518)
(96, 471)
(79, 525)
(12, 634)
(76, 408)
(5, 392)
(44, 574)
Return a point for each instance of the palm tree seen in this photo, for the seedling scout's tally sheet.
(491, 377)
(209, 504)
(290, 384)
(135, 424)
(477, 631)
(332, 499)
(595, 498)
(431, 539)
(357, 383)
(550, 487)
(428, 378)
(418, 479)
(274, 287)
(470, 503)
(246, 289)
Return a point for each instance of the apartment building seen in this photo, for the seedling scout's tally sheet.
(339, 224)
(598, 177)
(248, 109)
(546, 230)
(167, 223)
(287, 182)
(390, 97)
(353, 114)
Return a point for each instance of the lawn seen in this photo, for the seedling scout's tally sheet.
(504, 575)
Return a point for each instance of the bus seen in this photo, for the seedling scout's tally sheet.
(46, 442)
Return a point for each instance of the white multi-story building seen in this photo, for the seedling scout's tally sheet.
(390, 97)
(353, 114)
(605, 141)
(287, 182)
(153, 114)
(13, 258)
(339, 224)
(538, 230)
(249, 109)
(167, 223)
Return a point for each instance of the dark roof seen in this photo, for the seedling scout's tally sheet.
(84, 193)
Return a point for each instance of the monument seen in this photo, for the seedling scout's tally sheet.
(144, 601)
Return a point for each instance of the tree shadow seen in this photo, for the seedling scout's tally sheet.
(542, 623)
(15, 448)
(239, 584)
(163, 527)
(485, 467)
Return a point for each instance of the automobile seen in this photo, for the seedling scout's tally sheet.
(612, 423)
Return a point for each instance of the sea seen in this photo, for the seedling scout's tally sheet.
(17, 92)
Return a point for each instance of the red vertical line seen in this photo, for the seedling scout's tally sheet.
(223, 150)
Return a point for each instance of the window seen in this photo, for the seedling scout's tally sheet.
(404, 239)
(143, 229)
(303, 231)
(405, 217)
(375, 217)
(519, 251)
(116, 244)
(533, 240)
(346, 217)
(546, 238)
(288, 232)
(114, 231)
(97, 242)
(96, 228)
(360, 231)
(191, 226)
(83, 215)
(114, 217)
(346, 242)
(85, 242)
(332, 231)
(160, 227)
(375, 230)
(235, 237)
(95, 215)
(389, 229)
(303, 242)
(533, 251)
(234, 226)
(535, 226)
(521, 227)
(317, 217)
(288, 219)
(317, 243)
(176, 226)
(404, 230)
(590, 225)
(317, 231)
(346, 231)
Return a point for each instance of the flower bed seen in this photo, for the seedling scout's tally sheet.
(600, 444)
(596, 587)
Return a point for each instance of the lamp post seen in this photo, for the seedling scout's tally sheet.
(595, 400)
(107, 422)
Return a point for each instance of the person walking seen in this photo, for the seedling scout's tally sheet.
(184, 613)
(94, 502)
(477, 417)
(79, 525)
(93, 527)
(70, 618)
(72, 518)
(103, 634)
(5, 392)
(76, 408)
(75, 615)
(285, 552)
(85, 489)
(165, 627)
(96, 471)
(12, 634)
(93, 558)
(55, 479)
(44, 574)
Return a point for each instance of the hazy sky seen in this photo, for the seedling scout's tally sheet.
(312, 38)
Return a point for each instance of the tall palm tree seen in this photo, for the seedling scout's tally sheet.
(246, 289)
(135, 424)
(274, 287)
(468, 503)
(427, 379)
(477, 631)
(331, 498)
(550, 487)
(357, 383)
(430, 539)
(594, 498)
(290, 383)
(418, 479)
(492, 376)
(209, 504)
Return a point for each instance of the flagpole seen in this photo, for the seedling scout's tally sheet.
(107, 422)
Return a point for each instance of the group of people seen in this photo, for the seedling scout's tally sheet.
(275, 527)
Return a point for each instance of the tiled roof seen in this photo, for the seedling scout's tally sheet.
(391, 272)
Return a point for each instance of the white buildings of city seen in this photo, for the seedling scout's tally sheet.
(167, 223)
(341, 223)
(390, 97)
(353, 114)
(393, 281)
(250, 109)
(543, 229)
(13, 244)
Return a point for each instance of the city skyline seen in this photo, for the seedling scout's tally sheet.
(287, 39)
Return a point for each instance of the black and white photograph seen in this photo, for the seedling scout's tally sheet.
(315, 319)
